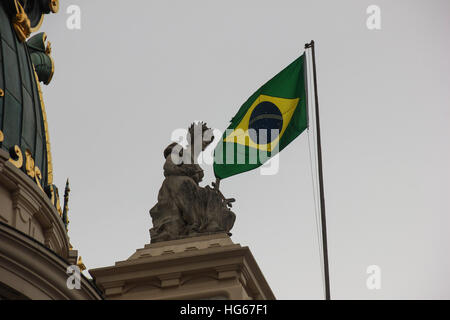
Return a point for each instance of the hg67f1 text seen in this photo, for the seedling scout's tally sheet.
(232, 309)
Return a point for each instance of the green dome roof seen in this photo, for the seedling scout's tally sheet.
(23, 123)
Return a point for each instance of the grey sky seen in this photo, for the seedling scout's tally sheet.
(138, 70)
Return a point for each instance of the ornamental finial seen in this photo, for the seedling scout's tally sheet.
(65, 217)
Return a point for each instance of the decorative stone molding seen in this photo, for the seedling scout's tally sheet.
(27, 208)
(203, 267)
(35, 271)
(170, 280)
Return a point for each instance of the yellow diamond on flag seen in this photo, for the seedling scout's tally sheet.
(265, 115)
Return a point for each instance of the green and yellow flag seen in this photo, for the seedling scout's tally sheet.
(266, 123)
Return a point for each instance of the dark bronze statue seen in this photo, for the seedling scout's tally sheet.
(185, 209)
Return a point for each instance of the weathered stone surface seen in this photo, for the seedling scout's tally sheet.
(184, 208)
(203, 267)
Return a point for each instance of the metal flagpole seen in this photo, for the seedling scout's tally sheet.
(319, 166)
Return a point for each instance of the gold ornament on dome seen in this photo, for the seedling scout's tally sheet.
(47, 136)
(38, 177)
(16, 157)
(80, 264)
(54, 5)
(21, 23)
(48, 48)
(29, 163)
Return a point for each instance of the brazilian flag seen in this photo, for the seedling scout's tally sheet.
(266, 123)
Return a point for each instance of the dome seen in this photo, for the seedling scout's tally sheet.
(23, 65)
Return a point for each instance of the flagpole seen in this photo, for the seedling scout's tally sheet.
(319, 166)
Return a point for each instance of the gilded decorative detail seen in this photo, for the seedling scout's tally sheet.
(48, 48)
(80, 264)
(16, 156)
(38, 177)
(2, 136)
(38, 26)
(31, 169)
(40, 50)
(48, 51)
(21, 23)
(2, 93)
(47, 137)
(54, 5)
(29, 163)
(53, 70)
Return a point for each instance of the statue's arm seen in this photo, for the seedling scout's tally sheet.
(172, 169)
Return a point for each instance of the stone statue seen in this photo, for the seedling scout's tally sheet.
(185, 209)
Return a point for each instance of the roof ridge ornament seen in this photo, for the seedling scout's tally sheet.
(40, 49)
(65, 216)
(27, 16)
(21, 23)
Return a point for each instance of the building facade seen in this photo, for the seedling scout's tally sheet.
(35, 250)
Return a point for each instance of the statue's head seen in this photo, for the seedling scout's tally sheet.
(200, 131)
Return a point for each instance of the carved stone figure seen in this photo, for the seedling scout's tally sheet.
(184, 208)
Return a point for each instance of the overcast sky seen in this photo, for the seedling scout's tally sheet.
(138, 70)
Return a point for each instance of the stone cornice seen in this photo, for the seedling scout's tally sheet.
(30, 202)
(226, 263)
(42, 271)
